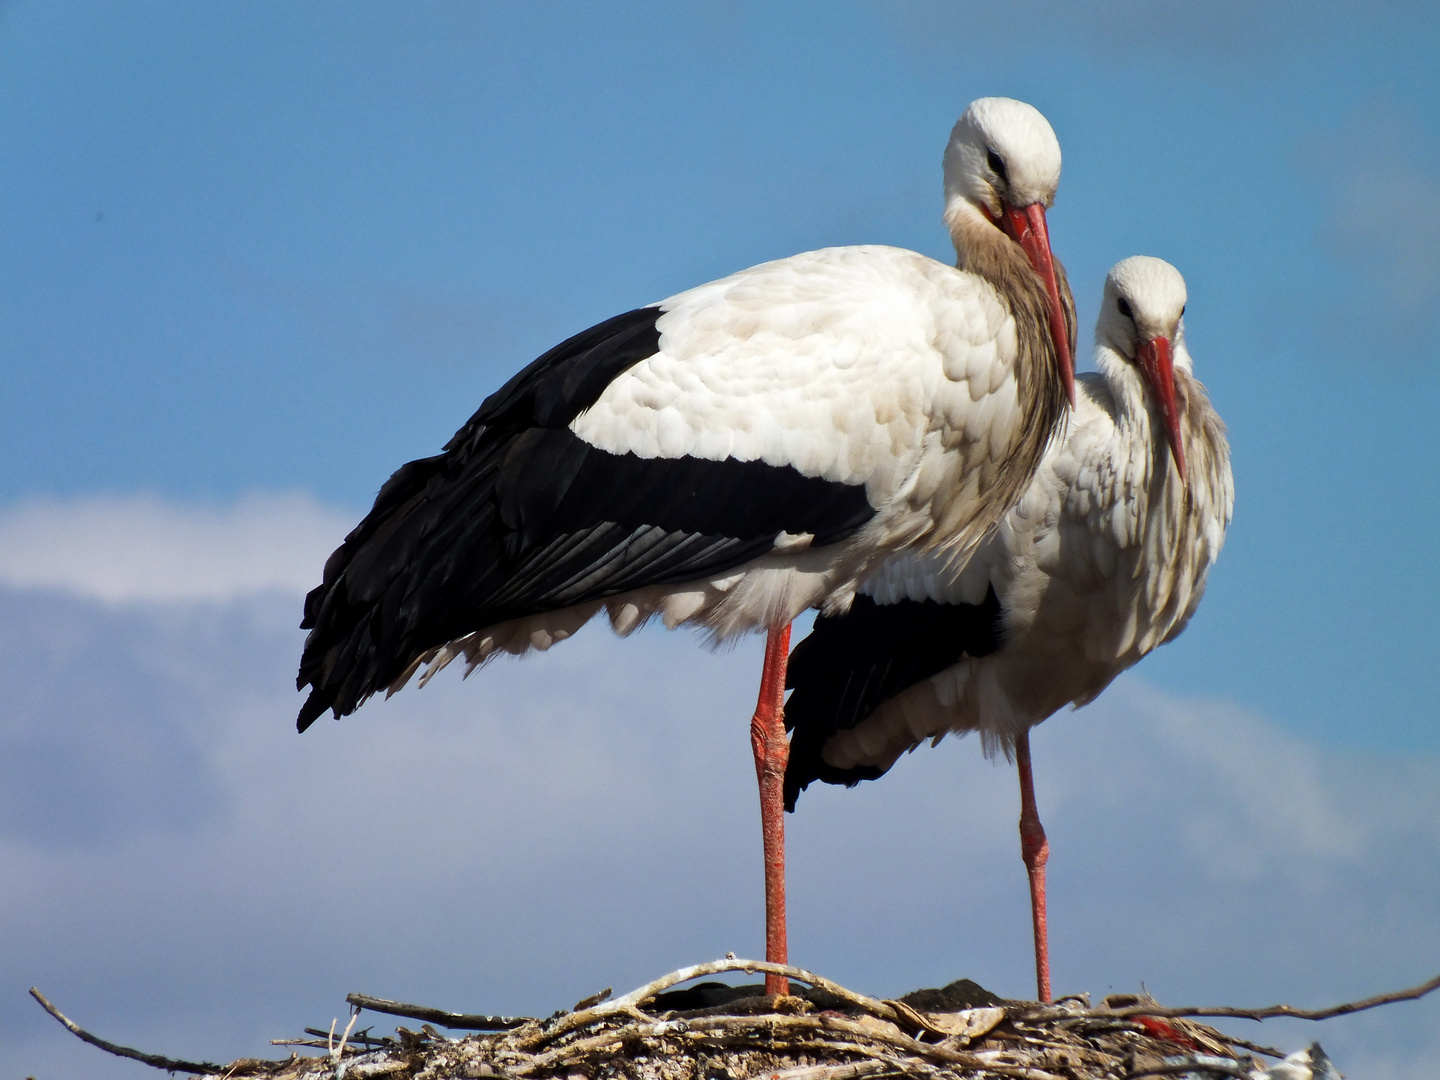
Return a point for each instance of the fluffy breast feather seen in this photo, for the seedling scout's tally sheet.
(1102, 559)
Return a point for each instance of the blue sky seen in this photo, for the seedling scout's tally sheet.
(278, 248)
(256, 256)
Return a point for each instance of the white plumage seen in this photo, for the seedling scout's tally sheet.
(870, 350)
(730, 456)
(1103, 558)
(882, 369)
(868, 366)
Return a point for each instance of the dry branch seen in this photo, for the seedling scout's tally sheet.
(362, 1036)
(1191, 1068)
(834, 1072)
(155, 1060)
(1255, 1048)
(626, 1004)
(466, 1021)
(1270, 1012)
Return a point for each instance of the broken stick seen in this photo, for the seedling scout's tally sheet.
(154, 1060)
(467, 1021)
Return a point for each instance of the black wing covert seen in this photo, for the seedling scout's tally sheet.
(851, 664)
(519, 516)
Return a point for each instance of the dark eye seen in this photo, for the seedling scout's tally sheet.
(1182, 311)
(1125, 309)
(996, 166)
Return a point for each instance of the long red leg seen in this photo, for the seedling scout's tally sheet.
(1035, 850)
(772, 752)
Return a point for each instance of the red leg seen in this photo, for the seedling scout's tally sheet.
(1035, 850)
(772, 752)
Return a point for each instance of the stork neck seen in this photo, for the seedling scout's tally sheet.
(985, 251)
(1137, 416)
(1127, 388)
(982, 247)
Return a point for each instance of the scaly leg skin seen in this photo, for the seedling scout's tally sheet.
(772, 752)
(1035, 850)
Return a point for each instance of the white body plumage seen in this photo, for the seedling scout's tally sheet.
(874, 367)
(1103, 558)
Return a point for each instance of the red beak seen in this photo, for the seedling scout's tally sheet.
(1155, 361)
(1027, 228)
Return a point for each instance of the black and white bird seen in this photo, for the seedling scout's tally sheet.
(728, 457)
(1103, 558)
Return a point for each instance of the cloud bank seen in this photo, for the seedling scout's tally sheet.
(140, 548)
(179, 870)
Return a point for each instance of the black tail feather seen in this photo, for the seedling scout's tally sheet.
(851, 664)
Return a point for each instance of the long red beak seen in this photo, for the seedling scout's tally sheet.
(1155, 361)
(1027, 228)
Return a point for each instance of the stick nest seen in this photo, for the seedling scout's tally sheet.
(820, 1031)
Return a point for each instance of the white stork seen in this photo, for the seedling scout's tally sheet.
(729, 457)
(1103, 558)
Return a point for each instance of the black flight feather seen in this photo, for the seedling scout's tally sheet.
(520, 516)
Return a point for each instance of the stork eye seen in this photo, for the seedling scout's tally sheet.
(997, 166)
(1125, 309)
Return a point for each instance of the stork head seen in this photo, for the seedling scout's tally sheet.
(1142, 319)
(1003, 164)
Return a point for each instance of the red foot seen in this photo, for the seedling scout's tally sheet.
(1035, 850)
(772, 753)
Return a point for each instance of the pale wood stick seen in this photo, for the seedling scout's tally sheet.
(336, 1052)
(153, 1060)
(1267, 1013)
(715, 967)
(468, 1021)
(1239, 1072)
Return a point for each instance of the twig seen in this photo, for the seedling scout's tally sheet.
(155, 1061)
(1270, 1012)
(362, 1036)
(1254, 1048)
(593, 999)
(753, 967)
(1192, 1067)
(755, 1040)
(366, 1070)
(628, 1002)
(833, 1072)
(468, 1021)
(339, 1051)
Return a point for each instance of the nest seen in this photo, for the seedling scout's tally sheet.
(714, 1031)
(819, 1031)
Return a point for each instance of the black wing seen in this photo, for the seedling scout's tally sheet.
(519, 515)
(849, 665)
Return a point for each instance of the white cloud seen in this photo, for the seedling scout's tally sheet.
(181, 870)
(126, 548)
(586, 818)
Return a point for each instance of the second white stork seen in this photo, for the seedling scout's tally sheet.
(729, 457)
(1103, 558)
